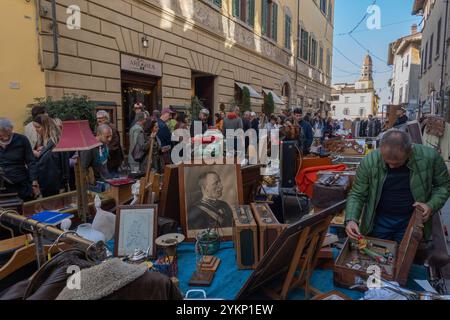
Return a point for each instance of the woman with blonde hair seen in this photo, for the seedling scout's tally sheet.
(52, 166)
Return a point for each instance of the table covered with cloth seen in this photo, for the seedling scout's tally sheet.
(229, 280)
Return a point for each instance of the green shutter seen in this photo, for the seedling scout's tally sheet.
(236, 8)
(218, 3)
(265, 10)
(251, 12)
(274, 27)
(287, 32)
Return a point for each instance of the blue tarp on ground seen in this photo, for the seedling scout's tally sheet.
(229, 280)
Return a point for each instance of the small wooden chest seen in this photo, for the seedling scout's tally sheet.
(348, 273)
(245, 237)
(268, 227)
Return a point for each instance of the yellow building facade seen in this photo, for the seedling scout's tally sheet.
(164, 52)
(21, 76)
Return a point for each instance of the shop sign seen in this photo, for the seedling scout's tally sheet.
(136, 64)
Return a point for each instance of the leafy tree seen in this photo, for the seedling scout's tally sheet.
(70, 107)
(245, 99)
(269, 104)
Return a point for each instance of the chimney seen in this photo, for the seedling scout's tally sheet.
(414, 29)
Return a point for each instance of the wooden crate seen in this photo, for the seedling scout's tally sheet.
(403, 257)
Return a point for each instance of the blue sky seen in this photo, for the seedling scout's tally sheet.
(396, 21)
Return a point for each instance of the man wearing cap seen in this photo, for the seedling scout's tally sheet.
(203, 119)
(401, 117)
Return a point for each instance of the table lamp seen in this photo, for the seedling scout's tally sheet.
(77, 136)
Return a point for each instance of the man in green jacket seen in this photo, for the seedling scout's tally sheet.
(390, 183)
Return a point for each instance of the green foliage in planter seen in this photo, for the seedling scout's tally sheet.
(196, 106)
(269, 104)
(245, 99)
(70, 107)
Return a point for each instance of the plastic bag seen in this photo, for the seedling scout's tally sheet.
(104, 221)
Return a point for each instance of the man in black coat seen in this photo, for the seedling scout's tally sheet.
(17, 163)
(401, 117)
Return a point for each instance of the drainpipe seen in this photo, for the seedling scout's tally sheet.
(444, 59)
(55, 36)
(298, 50)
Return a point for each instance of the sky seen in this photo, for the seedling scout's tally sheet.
(396, 21)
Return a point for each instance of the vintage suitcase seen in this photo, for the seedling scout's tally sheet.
(245, 237)
(268, 227)
(351, 266)
(330, 189)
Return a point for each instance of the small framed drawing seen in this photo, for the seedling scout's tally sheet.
(136, 228)
(207, 194)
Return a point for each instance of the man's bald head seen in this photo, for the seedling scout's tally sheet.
(396, 148)
(104, 133)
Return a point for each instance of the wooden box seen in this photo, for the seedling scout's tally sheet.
(403, 256)
(268, 227)
(245, 237)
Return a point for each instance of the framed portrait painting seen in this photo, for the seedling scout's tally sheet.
(136, 228)
(207, 194)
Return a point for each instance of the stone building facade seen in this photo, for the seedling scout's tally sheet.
(164, 52)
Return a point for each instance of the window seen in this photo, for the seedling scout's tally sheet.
(321, 58)
(244, 10)
(407, 61)
(269, 19)
(304, 48)
(328, 62)
(217, 2)
(347, 99)
(323, 6)
(438, 39)
(406, 93)
(430, 57)
(362, 99)
(335, 98)
(346, 111)
(313, 54)
(287, 32)
(400, 95)
(425, 58)
(362, 112)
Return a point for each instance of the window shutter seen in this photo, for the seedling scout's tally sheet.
(264, 13)
(251, 12)
(274, 27)
(236, 8)
(218, 3)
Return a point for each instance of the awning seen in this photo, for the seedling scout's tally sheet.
(276, 98)
(253, 92)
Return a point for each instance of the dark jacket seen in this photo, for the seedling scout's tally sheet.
(363, 128)
(400, 121)
(164, 134)
(91, 159)
(17, 160)
(115, 150)
(246, 123)
(306, 136)
(53, 170)
(430, 184)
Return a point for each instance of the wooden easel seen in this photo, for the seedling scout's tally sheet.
(304, 261)
(150, 183)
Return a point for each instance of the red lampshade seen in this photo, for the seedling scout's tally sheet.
(76, 136)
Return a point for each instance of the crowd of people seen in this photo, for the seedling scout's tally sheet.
(30, 168)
